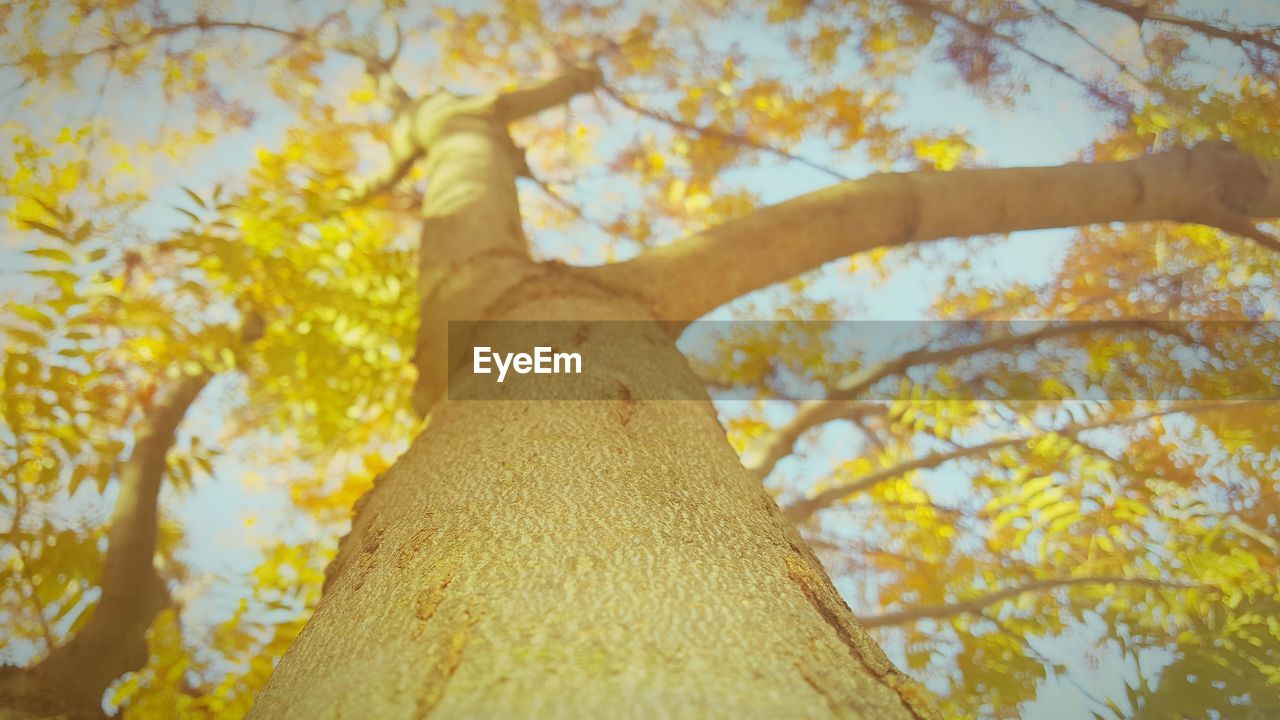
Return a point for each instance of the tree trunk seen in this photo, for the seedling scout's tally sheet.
(541, 558)
(71, 679)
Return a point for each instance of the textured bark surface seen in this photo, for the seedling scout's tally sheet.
(611, 558)
(539, 558)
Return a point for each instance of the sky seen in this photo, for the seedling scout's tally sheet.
(229, 516)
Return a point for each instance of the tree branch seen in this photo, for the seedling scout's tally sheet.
(766, 453)
(157, 33)
(982, 602)
(113, 641)
(73, 677)
(201, 24)
(724, 136)
(377, 66)
(803, 509)
(546, 94)
(1212, 184)
(929, 8)
(14, 536)
(417, 122)
(1122, 67)
(778, 444)
(1140, 13)
(404, 150)
(855, 385)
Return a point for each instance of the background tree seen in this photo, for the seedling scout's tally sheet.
(252, 315)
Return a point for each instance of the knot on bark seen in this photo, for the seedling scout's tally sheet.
(1237, 178)
(1234, 184)
(587, 76)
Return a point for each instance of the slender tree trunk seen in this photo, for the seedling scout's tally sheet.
(593, 558)
(71, 679)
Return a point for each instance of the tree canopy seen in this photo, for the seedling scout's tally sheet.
(210, 302)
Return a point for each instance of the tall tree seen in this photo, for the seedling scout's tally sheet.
(534, 556)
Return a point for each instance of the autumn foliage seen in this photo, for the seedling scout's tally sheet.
(209, 319)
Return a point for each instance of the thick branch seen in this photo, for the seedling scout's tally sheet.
(544, 95)
(982, 602)
(1212, 184)
(417, 124)
(803, 509)
(404, 150)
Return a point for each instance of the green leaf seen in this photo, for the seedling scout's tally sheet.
(82, 233)
(194, 197)
(46, 229)
(59, 213)
(1034, 486)
(35, 340)
(26, 312)
(49, 253)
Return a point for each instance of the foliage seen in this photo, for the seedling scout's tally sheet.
(145, 227)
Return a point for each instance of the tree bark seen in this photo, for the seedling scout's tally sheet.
(539, 558)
